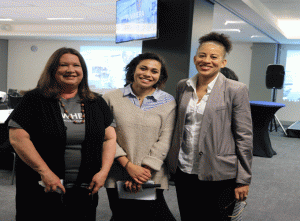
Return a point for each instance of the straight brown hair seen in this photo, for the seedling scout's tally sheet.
(48, 84)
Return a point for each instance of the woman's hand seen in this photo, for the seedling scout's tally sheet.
(97, 182)
(149, 168)
(241, 192)
(139, 174)
(132, 186)
(52, 182)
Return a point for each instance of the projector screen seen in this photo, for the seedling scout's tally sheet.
(106, 65)
(290, 93)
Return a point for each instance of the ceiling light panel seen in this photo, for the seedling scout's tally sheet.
(6, 19)
(228, 30)
(234, 22)
(290, 28)
(257, 36)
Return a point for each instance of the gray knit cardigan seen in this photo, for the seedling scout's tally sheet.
(144, 137)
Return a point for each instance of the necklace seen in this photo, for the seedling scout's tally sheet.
(70, 117)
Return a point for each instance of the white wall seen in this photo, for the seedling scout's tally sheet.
(202, 25)
(26, 66)
(239, 60)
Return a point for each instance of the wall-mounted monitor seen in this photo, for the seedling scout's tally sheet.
(136, 20)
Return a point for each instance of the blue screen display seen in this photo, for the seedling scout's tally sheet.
(136, 20)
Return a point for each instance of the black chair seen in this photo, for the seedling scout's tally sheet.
(13, 100)
(13, 92)
(3, 106)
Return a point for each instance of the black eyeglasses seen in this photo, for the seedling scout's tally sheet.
(243, 205)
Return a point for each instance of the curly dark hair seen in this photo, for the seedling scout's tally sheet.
(130, 69)
(216, 37)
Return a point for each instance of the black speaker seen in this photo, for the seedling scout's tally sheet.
(275, 76)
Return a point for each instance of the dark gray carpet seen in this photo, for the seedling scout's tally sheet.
(274, 192)
(7, 196)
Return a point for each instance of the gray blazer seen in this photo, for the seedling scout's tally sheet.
(225, 142)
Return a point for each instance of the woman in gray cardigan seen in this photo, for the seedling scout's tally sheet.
(144, 117)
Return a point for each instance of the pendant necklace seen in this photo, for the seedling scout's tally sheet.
(70, 117)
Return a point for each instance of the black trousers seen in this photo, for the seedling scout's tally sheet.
(204, 198)
(36, 205)
(137, 210)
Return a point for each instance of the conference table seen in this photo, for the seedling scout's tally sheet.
(4, 114)
(262, 113)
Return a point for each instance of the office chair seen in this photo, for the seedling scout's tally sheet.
(3, 106)
(13, 100)
(13, 92)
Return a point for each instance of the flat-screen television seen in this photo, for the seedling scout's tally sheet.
(136, 20)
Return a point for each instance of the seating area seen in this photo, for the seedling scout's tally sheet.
(13, 97)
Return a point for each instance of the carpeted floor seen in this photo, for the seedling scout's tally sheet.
(7, 196)
(274, 192)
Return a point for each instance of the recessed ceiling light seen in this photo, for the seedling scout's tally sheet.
(6, 19)
(230, 30)
(234, 22)
(65, 18)
(257, 36)
(289, 28)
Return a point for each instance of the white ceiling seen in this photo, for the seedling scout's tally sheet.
(263, 15)
(97, 19)
(29, 19)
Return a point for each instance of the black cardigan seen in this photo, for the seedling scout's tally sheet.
(41, 118)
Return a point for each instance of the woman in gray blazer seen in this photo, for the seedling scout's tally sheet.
(211, 151)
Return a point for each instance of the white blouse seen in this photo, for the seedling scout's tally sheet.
(194, 114)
